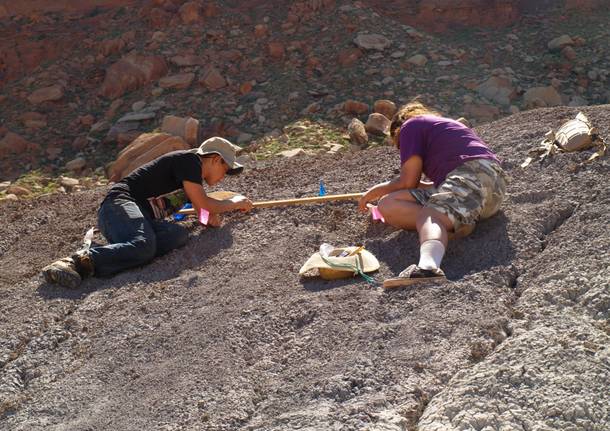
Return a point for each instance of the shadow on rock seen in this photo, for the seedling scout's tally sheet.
(317, 284)
(200, 247)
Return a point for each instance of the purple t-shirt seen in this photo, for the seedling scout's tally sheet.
(442, 143)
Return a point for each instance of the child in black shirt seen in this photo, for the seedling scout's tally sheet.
(131, 215)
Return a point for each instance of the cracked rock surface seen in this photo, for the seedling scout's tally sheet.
(223, 334)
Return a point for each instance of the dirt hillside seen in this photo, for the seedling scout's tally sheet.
(224, 335)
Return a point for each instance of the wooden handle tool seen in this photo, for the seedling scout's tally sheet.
(296, 201)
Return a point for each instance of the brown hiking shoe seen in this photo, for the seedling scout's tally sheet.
(69, 271)
(415, 275)
(62, 272)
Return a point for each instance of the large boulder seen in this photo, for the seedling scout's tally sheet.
(355, 108)
(130, 73)
(385, 107)
(481, 112)
(186, 128)
(357, 134)
(541, 97)
(144, 149)
(12, 143)
(46, 94)
(498, 89)
(378, 124)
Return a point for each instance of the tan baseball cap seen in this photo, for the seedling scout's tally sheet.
(225, 149)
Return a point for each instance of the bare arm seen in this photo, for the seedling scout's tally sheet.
(410, 175)
(199, 199)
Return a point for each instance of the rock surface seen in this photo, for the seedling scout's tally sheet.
(223, 334)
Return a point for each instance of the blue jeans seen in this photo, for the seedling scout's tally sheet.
(133, 238)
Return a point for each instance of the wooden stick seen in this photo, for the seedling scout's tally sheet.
(296, 201)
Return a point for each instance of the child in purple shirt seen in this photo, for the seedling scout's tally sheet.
(468, 184)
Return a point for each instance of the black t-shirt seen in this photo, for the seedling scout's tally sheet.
(159, 177)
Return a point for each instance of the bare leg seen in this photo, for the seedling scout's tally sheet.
(400, 209)
(433, 225)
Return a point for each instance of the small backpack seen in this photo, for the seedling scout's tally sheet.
(573, 135)
(576, 134)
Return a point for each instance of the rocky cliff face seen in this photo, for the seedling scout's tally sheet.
(33, 7)
(441, 15)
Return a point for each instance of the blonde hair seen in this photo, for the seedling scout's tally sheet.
(405, 113)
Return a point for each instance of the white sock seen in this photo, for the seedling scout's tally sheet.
(431, 254)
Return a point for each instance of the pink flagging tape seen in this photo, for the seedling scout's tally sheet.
(204, 216)
(376, 214)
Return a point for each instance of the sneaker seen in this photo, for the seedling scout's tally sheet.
(414, 275)
(62, 272)
(69, 271)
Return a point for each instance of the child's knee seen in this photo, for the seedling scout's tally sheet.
(145, 249)
(181, 237)
(385, 205)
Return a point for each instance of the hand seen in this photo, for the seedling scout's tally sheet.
(365, 199)
(215, 220)
(241, 203)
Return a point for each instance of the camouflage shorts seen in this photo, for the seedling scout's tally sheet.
(472, 191)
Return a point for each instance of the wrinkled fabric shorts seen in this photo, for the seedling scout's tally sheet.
(472, 191)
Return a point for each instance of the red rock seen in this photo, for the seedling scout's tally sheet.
(177, 82)
(33, 120)
(189, 12)
(79, 143)
(245, 88)
(313, 62)
(231, 55)
(210, 10)
(87, 120)
(261, 30)
(12, 143)
(440, 15)
(541, 97)
(354, 107)
(186, 128)
(186, 60)
(569, 53)
(308, 9)
(112, 110)
(33, 9)
(76, 165)
(46, 94)
(385, 107)
(348, 57)
(158, 18)
(19, 55)
(130, 73)
(146, 147)
(111, 46)
(17, 190)
(53, 152)
(357, 134)
(212, 79)
(129, 36)
(125, 138)
(276, 50)
(481, 111)
(377, 124)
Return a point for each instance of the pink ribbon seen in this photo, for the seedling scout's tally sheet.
(376, 214)
(204, 216)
